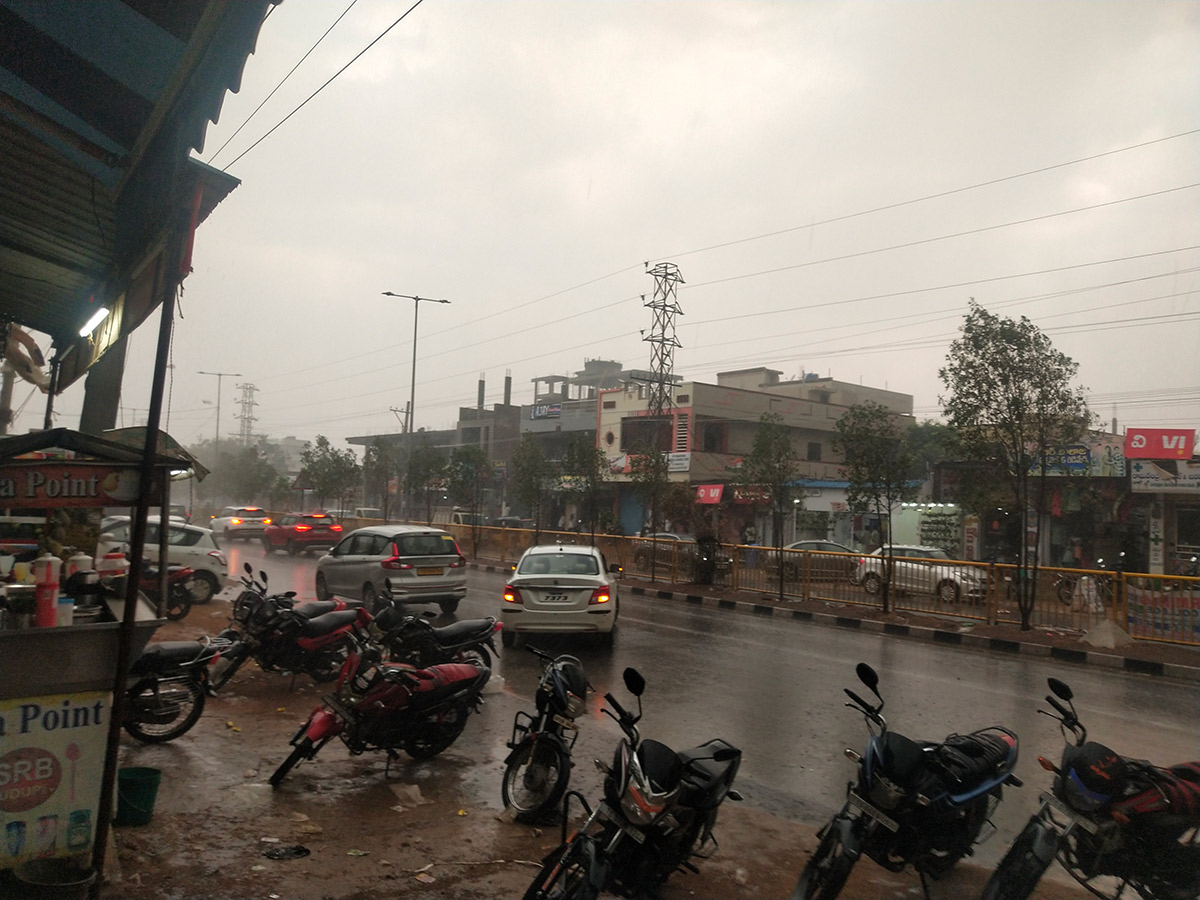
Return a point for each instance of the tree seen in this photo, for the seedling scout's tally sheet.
(329, 472)
(585, 471)
(531, 478)
(426, 476)
(771, 467)
(929, 443)
(1011, 400)
(877, 462)
(468, 476)
(649, 477)
(381, 464)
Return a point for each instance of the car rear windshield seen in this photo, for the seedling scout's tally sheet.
(559, 564)
(425, 545)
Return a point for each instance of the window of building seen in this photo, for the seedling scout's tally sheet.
(814, 452)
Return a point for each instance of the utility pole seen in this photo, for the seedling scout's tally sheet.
(219, 375)
(246, 416)
(662, 338)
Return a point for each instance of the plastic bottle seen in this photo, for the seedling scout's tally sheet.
(112, 564)
(80, 562)
(45, 572)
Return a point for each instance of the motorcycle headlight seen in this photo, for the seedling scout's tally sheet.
(575, 706)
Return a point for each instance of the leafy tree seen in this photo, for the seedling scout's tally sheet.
(1011, 400)
(381, 463)
(329, 472)
(649, 477)
(426, 476)
(239, 474)
(877, 462)
(585, 471)
(772, 466)
(531, 476)
(929, 443)
(468, 475)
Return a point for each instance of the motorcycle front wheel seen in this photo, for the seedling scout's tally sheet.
(179, 602)
(1021, 869)
(535, 778)
(564, 874)
(437, 732)
(161, 711)
(304, 749)
(828, 868)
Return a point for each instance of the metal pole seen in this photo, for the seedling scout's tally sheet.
(220, 375)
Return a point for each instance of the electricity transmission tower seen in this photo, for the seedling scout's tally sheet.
(662, 338)
(246, 416)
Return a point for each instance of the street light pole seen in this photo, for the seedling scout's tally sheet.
(220, 375)
(412, 390)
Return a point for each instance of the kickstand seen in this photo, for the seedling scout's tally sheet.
(924, 884)
(292, 686)
(391, 756)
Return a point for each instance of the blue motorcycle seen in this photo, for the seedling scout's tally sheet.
(914, 803)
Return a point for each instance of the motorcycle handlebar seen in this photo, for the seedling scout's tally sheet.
(612, 701)
(867, 707)
(1062, 710)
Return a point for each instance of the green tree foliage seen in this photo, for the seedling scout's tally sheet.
(648, 475)
(771, 467)
(877, 462)
(585, 472)
(468, 476)
(329, 472)
(426, 476)
(238, 474)
(929, 443)
(381, 463)
(532, 476)
(1011, 399)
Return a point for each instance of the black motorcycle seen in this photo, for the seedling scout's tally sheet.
(538, 769)
(658, 813)
(913, 803)
(1112, 822)
(416, 641)
(167, 687)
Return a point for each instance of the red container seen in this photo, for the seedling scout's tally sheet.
(45, 576)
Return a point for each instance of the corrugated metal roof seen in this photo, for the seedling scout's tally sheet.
(101, 103)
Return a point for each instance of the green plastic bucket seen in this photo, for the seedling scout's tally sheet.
(137, 788)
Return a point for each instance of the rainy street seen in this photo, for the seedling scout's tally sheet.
(774, 688)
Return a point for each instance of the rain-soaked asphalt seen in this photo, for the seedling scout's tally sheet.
(774, 688)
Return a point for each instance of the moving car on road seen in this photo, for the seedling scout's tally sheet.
(301, 533)
(559, 589)
(240, 522)
(923, 570)
(404, 563)
(187, 545)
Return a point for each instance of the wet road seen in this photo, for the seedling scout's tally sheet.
(774, 688)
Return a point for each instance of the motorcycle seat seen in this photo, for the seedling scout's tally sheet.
(324, 624)
(706, 781)
(967, 759)
(315, 608)
(1174, 792)
(459, 632)
(165, 655)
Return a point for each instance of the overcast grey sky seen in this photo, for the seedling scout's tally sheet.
(834, 181)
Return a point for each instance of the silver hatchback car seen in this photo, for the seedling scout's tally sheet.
(405, 563)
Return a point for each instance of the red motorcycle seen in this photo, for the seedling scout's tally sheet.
(389, 707)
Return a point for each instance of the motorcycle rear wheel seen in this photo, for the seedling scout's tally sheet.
(437, 732)
(535, 778)
(327, 664)
(564, 874)
(475, 656)
(1019, 872)
(827, 870)
(179, 602)
(162, 711)
(303, 750)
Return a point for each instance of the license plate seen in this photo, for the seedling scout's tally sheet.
(604, 812)
(564, 721)
(871, 812)
(1076, 819)
(429, 570)
(556, 598)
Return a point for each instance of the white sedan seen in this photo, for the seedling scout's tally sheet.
(560, 589)
(187, 545)
(923, 570)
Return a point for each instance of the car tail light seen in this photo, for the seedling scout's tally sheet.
(235, 521)
(459, 563)
(266, 521)
(512, 595)
(394, 562)
(304, 528)
(335, 527)
(599, 595)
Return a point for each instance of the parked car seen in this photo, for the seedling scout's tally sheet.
(822, 564)
(512, 522)
(301, 533)
(665, 546)
(405, 563)
(560, 588)
(240, 522)
(923, 570)
(187, 545)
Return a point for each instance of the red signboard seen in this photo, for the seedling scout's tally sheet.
(1159, 443)
(709, 493)
(49, 485)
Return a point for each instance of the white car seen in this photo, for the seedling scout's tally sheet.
(240, 522)
(923, 570)
(559, 589)
(187, 545)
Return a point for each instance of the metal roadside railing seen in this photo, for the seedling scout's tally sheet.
(1147, 607)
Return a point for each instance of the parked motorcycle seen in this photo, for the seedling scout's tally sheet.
(914, 803)
(389, 707)
(658, 812)
(167, 687)
(179, 589)
(416, 641)
(1111, 821)
(314, 638)
(538, 769)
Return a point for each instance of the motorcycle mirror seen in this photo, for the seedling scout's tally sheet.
(725, 754)
(868, 677)
(634, 682)
(1061, 689)
(249, 569)
(262, 577)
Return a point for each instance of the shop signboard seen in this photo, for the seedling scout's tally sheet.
(53, 747)
(1164, 615)
(1159, 443)
(709, 493)
(1101, 457)
(1164, 476)
(39, 484)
